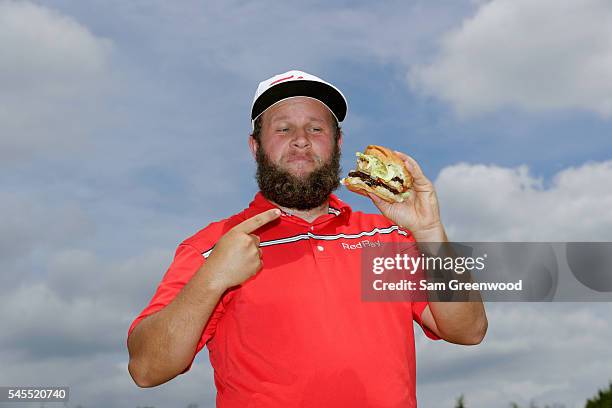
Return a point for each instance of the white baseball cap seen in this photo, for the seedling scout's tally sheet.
(297, 83)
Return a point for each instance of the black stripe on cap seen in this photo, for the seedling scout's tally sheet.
(323, 92)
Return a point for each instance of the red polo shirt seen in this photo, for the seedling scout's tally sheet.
(298, 334)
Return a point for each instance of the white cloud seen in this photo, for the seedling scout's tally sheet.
(70, 328)
(125, 284)
(534, 55)
(31, 225)
(102, 381)
(487, 203)
(551, 353)
(51, 70)
(83, 305)
(312, 35)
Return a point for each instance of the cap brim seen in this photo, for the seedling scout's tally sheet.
(325, 93)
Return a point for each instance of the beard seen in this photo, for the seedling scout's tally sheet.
(300, 193)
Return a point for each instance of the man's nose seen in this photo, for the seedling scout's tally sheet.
(300, 139)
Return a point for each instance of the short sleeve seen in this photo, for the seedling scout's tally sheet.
(417, 311)
(409, 246)
(187, 261)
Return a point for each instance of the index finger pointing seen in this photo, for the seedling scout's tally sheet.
(257, 221)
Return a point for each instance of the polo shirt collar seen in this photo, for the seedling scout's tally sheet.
(337, 208)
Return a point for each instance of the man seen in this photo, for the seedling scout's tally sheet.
(274, 291)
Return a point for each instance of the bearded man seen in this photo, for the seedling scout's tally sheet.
(274, 291)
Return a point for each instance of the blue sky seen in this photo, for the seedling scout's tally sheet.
(123, 129)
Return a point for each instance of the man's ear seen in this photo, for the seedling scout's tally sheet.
(340, 139)
(253, 146)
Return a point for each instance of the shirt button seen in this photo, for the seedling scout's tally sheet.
(320, 248)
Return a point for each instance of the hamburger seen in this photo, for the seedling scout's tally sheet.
(381, 172)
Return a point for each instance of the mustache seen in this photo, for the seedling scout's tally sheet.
(302, 156)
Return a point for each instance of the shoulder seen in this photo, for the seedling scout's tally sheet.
(207, 237)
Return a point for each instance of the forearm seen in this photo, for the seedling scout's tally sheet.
(162, 345)
(462, 320)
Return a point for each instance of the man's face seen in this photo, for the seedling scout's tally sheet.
(298, 156)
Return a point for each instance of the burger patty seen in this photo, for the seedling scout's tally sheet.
(374, 182)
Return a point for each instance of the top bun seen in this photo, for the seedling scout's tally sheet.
(389, 156)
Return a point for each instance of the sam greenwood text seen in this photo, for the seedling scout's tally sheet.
(453, 284)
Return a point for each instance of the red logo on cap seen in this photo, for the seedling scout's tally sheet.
(281, 80)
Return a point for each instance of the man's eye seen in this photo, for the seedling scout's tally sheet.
(283, 129)
(316, 129)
